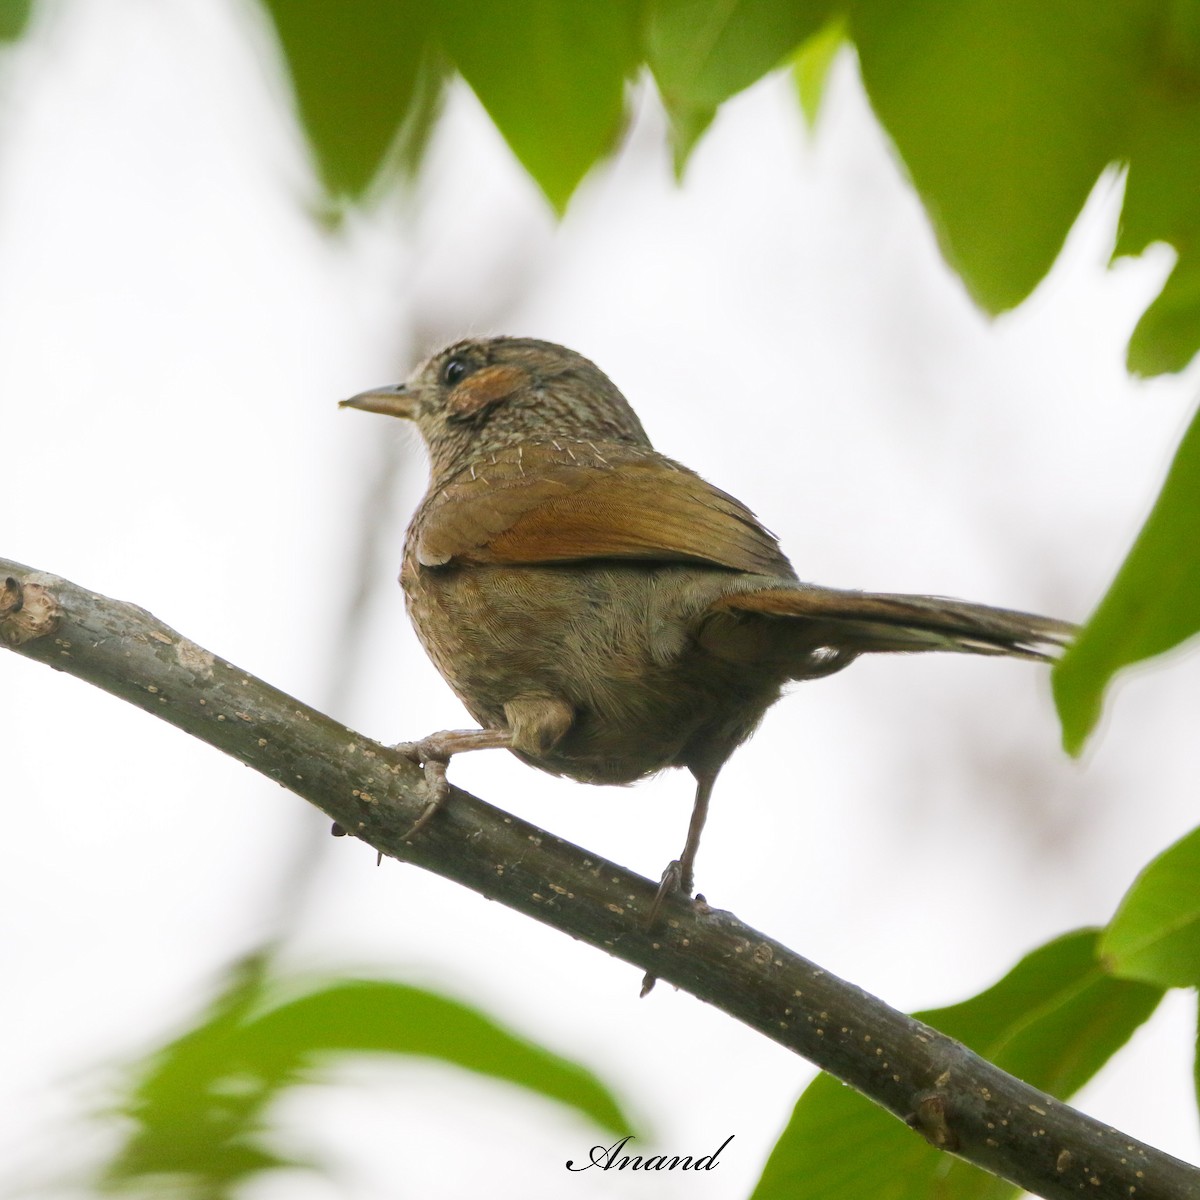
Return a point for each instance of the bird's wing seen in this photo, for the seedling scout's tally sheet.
(564, 502)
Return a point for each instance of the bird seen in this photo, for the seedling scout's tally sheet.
(601, 610)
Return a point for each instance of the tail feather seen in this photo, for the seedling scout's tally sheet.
(866, 622)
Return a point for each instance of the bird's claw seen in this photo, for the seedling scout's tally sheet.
(432, 753)
(424, 751)
(672, 882)
(433, 759)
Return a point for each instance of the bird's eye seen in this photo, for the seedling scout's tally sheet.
(455, 370)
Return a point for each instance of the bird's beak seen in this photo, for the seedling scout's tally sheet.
(393, 401)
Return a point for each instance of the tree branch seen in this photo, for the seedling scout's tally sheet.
(957, 1100)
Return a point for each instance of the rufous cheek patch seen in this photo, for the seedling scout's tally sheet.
(483, 388)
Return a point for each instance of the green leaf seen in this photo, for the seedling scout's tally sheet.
(201, 1104)
(1152, 605)
(839, 1146)
(1168, 334)
(704, 51)
(1005, 112)
(1155, 934)
(375, 1016)
(551, 74)
(1196, 1062)
(195, 1111)
(407, 150)
(688, 126)
(1162, 192)
(358, 72)
(14, 16)
(811, 67)
(1053, 1021)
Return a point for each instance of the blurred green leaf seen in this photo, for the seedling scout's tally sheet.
(196, 1109)
(357, 71)
(551, 74)
(704, 51)
(200, 1107)
(1196, 1061)
(1005, 113)
(1053, 1021)
(391, 1018)
(1168, 334)
(425, 107)
(811, 67)
(1162, 192)
(1155, 934)
(688, 126)
(14, 16)
(1152, 605)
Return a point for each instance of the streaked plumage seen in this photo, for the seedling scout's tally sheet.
(604, 610)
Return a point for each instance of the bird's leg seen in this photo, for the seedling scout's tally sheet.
(535, 725)
(434, 752)
(680, 873)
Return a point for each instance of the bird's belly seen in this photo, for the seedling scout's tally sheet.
(615, 641)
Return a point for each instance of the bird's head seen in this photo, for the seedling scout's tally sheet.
(481, 395)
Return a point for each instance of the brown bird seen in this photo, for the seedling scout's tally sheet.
(601, 610)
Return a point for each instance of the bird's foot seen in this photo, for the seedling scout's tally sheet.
(675, 879)
(433, 754)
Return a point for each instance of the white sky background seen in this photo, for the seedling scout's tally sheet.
(174, 334)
